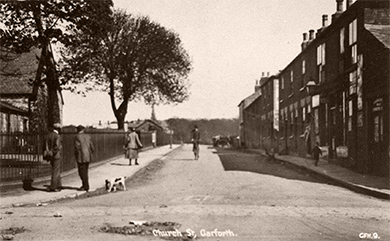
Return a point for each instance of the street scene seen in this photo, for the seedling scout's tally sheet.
(225, 195)
(194, 120)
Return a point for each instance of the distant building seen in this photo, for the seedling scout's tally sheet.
(339, 86)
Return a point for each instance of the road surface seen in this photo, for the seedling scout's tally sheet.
(225, 195)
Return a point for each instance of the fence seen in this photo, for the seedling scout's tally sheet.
(21, 153)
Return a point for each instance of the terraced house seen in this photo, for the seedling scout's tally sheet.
(338, 86)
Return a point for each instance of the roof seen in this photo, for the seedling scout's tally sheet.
(13, 106)
(138, 123)
(381, 32)
(250, 99)
(17, 71)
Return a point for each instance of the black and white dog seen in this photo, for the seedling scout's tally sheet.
(114, 183)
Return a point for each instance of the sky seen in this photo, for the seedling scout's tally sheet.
(230, 42)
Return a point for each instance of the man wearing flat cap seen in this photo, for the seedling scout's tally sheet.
(83, 152)
(54, 145)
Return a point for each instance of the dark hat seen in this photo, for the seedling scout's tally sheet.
(80, 128)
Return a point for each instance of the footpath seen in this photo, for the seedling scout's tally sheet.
(374, 186)
(98, 173)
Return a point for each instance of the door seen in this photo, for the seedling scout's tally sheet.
(377, 145)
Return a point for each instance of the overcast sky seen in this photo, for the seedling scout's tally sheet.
(231, 42)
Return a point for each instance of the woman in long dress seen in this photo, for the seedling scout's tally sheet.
(132, 146)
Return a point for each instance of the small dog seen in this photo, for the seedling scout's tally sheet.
(114, 183)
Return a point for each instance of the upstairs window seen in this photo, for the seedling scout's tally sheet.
(282, 83)
(321, 62)
(291, 81)
(353, 32)
(353, 40)
(342, 40)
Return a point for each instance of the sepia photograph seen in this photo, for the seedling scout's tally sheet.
(208, 120)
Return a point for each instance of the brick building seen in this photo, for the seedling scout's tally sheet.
(339, 86)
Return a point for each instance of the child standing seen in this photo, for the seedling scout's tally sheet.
(316, 152)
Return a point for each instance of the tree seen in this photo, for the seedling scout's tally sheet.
(137, 59)
(40, 24)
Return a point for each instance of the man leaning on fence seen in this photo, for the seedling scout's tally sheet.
(54, 146)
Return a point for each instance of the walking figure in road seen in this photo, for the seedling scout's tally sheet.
(54, 147)
(195, 140)
(83, 153)
(317, 152)
(132, 146)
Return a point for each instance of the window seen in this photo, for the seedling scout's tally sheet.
(291, 81)
(282, 83)
(321, 62)
(342, 40)
(303, 73)
(353, 32)
(352, 82)
(354, 54)
(353, 40)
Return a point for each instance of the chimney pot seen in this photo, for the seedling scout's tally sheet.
(304, 37)
(311, 34)
(339, 5)
(267, 74)
(324, 20)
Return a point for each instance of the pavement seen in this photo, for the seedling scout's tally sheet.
(374, 186)
(112, 168)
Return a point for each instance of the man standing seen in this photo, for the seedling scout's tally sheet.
(83, 152)
(195, 140)
(53, 143)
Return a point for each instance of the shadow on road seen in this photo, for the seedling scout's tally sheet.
(235, 160)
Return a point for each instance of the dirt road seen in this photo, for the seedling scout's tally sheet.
(225, 195)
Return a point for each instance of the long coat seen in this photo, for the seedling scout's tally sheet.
(54, 144)
(83, 148)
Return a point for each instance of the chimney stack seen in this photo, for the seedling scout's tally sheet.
(304, 43)
(340, 6)
(324, 20)
(311, 35)
(339, 10)
(257, 86)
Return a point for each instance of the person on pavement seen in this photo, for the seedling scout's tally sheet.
(306, 136)
(195, 138)
(132, 146)
(84, 149)
(317, 152)
(53, 143)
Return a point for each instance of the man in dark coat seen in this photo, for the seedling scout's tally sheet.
(53, 143)
(195, 138)
(317, 152)
(83, 152)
